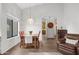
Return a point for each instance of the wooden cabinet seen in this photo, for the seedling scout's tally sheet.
(61, 33)
(43, 32)
(43, 27)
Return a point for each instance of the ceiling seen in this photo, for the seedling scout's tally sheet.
(26, 5)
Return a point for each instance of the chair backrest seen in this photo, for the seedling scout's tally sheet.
(39, 34)
(21, 33)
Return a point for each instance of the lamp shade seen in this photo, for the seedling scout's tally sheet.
(30, 20)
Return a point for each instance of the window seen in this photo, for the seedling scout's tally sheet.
(12, 28)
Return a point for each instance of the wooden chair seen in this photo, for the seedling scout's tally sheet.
(38, 43)
(22, 39)
(35, 41)
(38, 34)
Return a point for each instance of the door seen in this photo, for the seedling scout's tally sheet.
(50, 29)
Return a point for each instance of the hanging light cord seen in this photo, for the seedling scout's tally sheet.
(30, 11)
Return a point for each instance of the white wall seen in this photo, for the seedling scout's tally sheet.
(37, 12)
(0, 19)
(14, 10)
(0, 27)
(71, 17)
(67, 15)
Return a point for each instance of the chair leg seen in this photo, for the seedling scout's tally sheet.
(22, 45)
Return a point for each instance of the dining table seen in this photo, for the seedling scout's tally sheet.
(32, 39)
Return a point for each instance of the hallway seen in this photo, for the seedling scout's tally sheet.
(46, 47)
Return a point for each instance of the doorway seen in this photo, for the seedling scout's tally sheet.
(49, 28)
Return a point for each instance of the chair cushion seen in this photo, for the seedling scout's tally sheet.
(71, 41)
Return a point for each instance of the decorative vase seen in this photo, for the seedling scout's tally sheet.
(61, 27)
(30, 32)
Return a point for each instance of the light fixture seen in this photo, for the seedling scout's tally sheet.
(30, 19)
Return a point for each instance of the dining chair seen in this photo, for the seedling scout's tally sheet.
(22, 39)
(35, 40)
(38, 34)
(38, 43)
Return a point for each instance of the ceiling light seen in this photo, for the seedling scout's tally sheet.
(30, 19)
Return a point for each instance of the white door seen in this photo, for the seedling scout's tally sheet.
(50, 29)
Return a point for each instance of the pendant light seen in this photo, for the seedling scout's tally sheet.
(30, 19)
